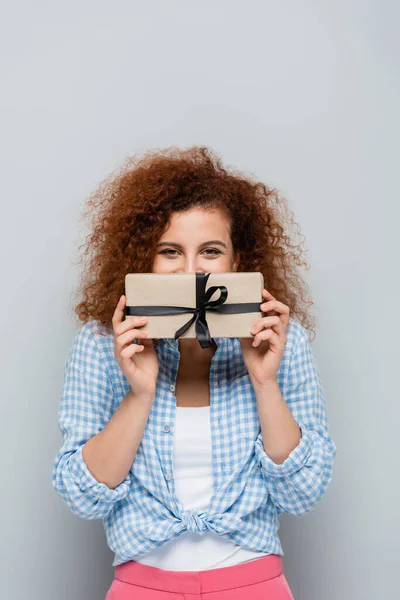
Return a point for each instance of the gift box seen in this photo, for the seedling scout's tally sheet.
(195, 305)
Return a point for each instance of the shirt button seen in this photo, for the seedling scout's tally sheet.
(168, 476)
(166, 428)
(172, 387)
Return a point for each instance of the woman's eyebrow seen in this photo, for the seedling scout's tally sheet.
(216, 242)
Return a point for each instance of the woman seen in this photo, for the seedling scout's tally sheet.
(190, 454)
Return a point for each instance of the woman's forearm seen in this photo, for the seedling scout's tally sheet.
(110, 453)
(280, 432)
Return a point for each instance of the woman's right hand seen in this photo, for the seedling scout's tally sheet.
(138, 362)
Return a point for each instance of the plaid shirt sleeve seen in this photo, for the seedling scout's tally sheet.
(298, 484)
(84, 410)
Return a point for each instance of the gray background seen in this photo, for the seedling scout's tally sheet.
(303, 94)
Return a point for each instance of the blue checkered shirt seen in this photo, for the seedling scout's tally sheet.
(250, 490)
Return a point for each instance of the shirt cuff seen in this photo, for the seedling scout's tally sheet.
(87, 483)
(294, 462)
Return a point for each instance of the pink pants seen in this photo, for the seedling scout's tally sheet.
(260, 579)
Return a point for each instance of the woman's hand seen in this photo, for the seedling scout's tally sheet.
(138, 362)
(263, 353)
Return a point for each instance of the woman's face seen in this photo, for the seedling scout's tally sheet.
(195, 241)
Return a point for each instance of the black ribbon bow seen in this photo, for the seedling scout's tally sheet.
(203, 304)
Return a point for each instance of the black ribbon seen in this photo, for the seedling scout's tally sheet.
(203, 304)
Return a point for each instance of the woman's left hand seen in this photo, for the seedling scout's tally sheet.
(263, 353)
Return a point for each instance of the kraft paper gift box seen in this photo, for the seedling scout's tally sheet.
(195, 305)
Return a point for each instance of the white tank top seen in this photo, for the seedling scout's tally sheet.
(194, 488)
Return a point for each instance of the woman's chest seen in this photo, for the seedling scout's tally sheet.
(192, 387)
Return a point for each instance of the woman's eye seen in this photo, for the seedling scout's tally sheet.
(213, 251)
(167, 251)
(170, 251)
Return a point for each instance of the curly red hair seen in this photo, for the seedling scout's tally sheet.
(131, 208)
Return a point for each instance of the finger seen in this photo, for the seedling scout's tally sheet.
(129, 324)
(126, 325)
(277, 309)
(274, 305)
(118, 315)
(270, 298)
(266, 334)
(127, 337)
(274, 322)
(118, 318)
(131, 350)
